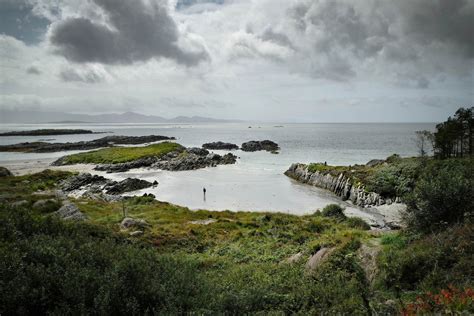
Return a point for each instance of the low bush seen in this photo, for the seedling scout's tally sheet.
(357, 222)
(333, 210)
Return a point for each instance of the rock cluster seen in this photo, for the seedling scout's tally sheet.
(220, 146)
(100, 188)
(189, 159)
(254, 145)
(340, 185)
(108, 141)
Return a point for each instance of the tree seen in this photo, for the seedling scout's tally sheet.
(423, 140)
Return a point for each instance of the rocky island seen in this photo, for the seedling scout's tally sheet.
(49, 132)
(165, 156)
(108, 141)
(220, 146)
(254, 145)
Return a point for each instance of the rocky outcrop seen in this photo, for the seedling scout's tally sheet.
(319, 257)
(129, 222)
(4, 172)
(254, 145)
(81, 180)
(341, 185)
(191, 161)
(127, 185)
(220, 146)
(70, 212)
(97, 187)
(126, 166)
(108, 141)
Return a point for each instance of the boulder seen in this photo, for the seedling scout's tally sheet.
(127, 185)
(19, 204)
(197, 151)
(70, 211)
(318, 258)
(46, 206)
(294, 258)
(136, 233)
(375, 162)
(4, 172)
(129, 222)
(220, 146)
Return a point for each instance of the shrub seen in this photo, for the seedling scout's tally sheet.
(443, 195)
(357, 222)
(333, 210)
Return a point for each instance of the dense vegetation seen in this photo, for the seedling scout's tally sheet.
(121, 154)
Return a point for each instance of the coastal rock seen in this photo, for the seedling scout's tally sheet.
(253, 145)
(4, 172)
(220, 146)
(70, 212)
(127, 185)
(339, 185)
(48, 132)
(197, 151)
(191, 161)
(108, 141)
(318, 258)
(81, 180)
(46, 206)
(126, 166)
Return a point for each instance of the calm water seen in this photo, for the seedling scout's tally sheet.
(256, 182)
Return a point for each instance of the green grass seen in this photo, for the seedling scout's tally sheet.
(122, 154)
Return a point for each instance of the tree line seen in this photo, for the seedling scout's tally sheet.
(452, 138)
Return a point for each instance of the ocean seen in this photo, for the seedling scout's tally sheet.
(256, 182)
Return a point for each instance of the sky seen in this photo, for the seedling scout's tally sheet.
(269, 60)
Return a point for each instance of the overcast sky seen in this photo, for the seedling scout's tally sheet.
(279, 60)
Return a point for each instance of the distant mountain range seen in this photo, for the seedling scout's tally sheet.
(38, 117)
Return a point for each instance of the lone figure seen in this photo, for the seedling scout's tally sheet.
(204, 193)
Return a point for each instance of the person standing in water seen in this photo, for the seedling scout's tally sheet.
(204, 193)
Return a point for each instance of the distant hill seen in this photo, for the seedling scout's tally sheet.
(38, 117)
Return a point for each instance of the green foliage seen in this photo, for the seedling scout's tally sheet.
(333, 210)
(122, 154)
(357, 222)
(429, 263)
(443, 195)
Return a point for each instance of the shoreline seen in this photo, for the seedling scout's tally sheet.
(378, 217)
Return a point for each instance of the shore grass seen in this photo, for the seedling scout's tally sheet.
(122, 154)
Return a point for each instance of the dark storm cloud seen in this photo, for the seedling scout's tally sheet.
(135, 31)
(181, 4)
(409, 33)
(32, 70)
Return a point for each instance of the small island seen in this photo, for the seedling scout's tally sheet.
(49, 132)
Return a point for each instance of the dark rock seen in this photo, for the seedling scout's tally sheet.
(126, 166)
(81, 180)
(70, 212)
(4, 172)
(189, 161)
(267, 145)
(108, 141)
(48, 132)
(127, 185)
(198, 151)
(220, 146)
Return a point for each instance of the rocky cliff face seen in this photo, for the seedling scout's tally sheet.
(340, 185)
